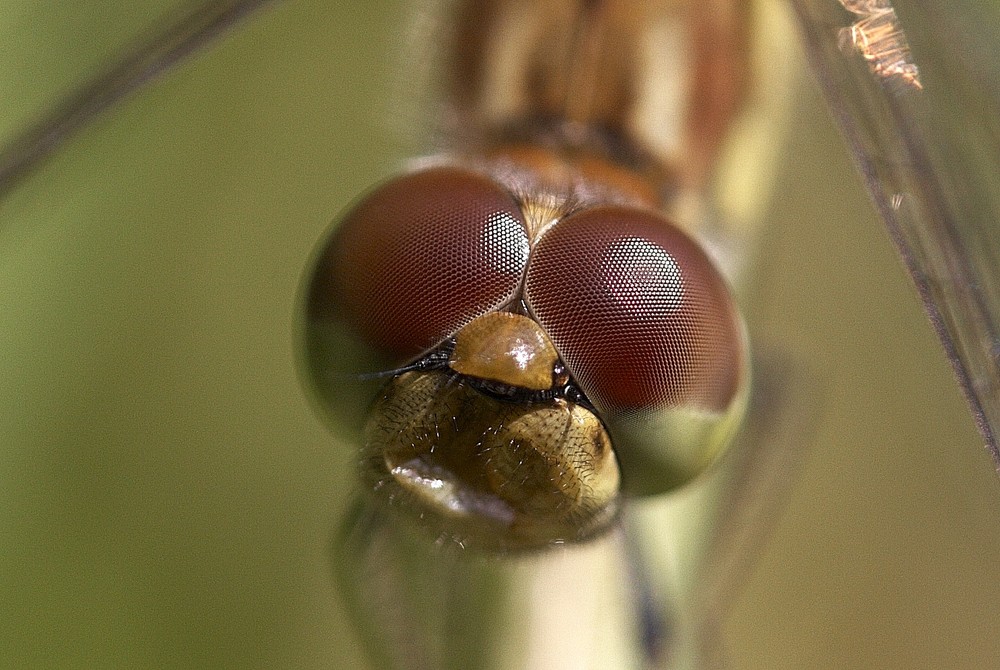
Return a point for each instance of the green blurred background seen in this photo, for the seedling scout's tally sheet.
(168, 496)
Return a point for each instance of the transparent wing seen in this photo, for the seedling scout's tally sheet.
(196, 27)
(685, 583)
(928, 150)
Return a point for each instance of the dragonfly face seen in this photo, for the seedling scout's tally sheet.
(542, 337)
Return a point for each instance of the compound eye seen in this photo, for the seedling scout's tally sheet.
(637, 310)
(420, 257)
(647, 326)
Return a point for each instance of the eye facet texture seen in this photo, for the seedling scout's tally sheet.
(420, 257)
(637, 311)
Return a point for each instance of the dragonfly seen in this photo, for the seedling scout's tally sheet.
(22, 195)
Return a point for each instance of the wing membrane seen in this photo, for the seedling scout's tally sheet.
(930, 157)
(149, 58)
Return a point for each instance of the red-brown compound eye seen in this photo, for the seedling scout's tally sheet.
(420, 257)
(637, 311)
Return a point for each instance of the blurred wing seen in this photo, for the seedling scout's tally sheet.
(767, 456)
(916, 93)
(147, 59)
(687, 582)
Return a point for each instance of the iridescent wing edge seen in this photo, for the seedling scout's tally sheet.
(930, 158)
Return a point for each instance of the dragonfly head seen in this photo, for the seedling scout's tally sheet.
(546, 359)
